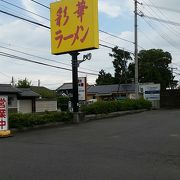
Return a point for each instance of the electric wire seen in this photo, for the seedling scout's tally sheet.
(10, 10)
(159, 20)
(42, 25)
(40, 63)
(25, 10)
(159, 33)
(39, 57)
(40, 4)
(161, 7)
(24, 19)
(99, 30)
(147, 37)
(162, 35)
(174, 28)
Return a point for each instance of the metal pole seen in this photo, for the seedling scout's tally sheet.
(136, 51)
(75, 80)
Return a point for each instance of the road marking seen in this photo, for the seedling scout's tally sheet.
(175, 135)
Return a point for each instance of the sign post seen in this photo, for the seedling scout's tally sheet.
(4, 132)
(74, 28)
(75, 81)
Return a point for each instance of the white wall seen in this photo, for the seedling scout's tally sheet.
(25, 106)
(46, 105)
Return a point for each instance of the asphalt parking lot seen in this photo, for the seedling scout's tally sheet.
(140, 146)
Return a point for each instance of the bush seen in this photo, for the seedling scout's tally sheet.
(105, 107)
(62, 103)
(19, 120)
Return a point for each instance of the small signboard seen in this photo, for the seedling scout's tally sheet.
(82, 88)
(74, 26)
(3, 113)
(4, 132)
(152, 92)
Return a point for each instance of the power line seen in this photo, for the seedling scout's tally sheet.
(160, 7)
(24, 19)
(99, 30)
(40, 4)
(40, 63)
(42, 25)
(164, 35)
(116, 36)
(14, 11)
(161, 35)
(39, 57)
(103, 45)
(39, 24)
(174, 29)
(147, 37)
(25, 9)
(162, 20)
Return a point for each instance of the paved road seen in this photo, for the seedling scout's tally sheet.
(144, 146)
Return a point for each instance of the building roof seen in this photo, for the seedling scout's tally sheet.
(8, 88)
(109, 89)
(27, 92)
(65, 86)
(43, 91)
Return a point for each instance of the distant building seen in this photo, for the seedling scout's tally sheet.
(102, 92)
(19, 99)
(65, 89)
(109, 92)
(25, 100)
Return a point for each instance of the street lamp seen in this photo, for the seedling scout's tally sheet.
(85, 57)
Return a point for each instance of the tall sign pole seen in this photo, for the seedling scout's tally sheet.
(136, 51)
(75, 80)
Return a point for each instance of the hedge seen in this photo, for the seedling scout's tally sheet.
(105, 107)
(19, 120)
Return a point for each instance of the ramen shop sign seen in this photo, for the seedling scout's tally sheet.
(74, 26)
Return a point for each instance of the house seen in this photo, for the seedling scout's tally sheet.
(12, 93)
(44, 92)
(47, 100)
(65, 89)
(25, 100)
(19, 99)
(102, 92)
(109, 92)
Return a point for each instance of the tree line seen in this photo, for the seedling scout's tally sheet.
(153, 68)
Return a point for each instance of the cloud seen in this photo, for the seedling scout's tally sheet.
(109, 9)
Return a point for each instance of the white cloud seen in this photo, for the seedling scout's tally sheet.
(109, 9)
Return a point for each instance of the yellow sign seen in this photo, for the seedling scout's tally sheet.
(74, 26)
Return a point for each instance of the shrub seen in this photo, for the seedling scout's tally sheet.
(19, 120)
(62, 103)
(105, 107)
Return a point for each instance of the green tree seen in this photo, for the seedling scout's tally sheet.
(24, 83)
(104, 78)
(120, 62)
(154, 67)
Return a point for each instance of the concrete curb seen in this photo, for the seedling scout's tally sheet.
(109, 115)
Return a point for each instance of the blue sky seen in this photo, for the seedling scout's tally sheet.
(115, 17)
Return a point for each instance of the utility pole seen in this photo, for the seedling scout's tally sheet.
(136, 51)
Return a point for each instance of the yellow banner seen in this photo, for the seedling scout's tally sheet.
(74, 26)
